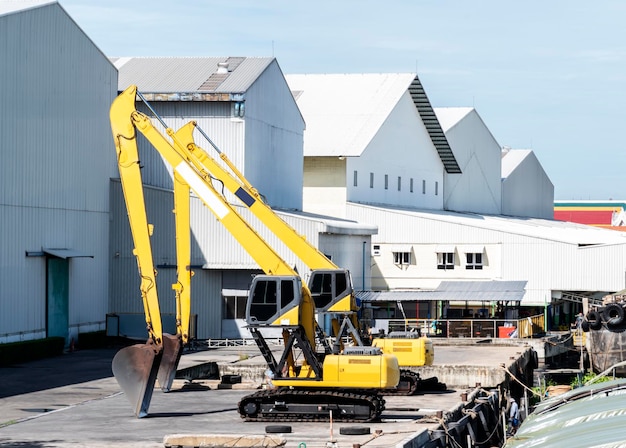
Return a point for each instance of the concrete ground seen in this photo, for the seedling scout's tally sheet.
(74, 401)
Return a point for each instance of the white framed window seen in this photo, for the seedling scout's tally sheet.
(473, 261)
(234, 307)
(445, 260)
(402, 258)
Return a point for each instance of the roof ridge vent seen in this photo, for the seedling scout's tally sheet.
(222, 67)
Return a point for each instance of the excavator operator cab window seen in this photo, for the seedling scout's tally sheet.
(329, 286)
(270, 297)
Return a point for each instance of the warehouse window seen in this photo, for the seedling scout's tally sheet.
(234, 307)
(399, 183)
(423, 186)
(445, 260)
(386, 182)
(371, 180)
(411, 185)
(436, 188)
(355, 178)
(474, 261)
(402, 258)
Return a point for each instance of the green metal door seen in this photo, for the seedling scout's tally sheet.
(58, 297)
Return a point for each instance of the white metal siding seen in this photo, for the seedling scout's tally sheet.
(274, 145)
(546, 263)
(478, 189)
(57, 157)
(527, 191)
(401, 149)
(124, 278)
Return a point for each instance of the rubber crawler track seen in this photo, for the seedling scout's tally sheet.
(409, 381)
(373, 400)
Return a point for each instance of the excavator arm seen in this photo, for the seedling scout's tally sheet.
(138, 367)
(330, 286)
(276, 299)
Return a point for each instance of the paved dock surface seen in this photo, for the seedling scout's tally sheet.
(74, 401)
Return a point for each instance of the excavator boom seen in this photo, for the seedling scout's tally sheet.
(330, 286)
(277, 299)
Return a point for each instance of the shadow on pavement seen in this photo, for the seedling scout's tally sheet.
(70, 368)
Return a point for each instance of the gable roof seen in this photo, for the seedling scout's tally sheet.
(343, 112)
(450, 116)
(511, 159)
(13, 6)
(190, 74)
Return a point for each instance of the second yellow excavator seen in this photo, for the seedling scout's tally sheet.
(309, 384)
(330, 286)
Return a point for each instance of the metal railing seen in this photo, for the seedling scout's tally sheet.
(471, 328)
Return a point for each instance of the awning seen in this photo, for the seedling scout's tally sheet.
(234, 292)
(445, 248)
(395, 296)
(463, 291)
(490, 291)
(66, 253)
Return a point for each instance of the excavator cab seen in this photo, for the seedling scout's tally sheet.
(274, 300)
(330, 286)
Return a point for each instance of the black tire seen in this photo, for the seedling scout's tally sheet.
(594, 319)
(613, 314)
(275, 429)
(585, 326)
(354, 430)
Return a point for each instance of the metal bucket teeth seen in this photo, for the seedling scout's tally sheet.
(172, 351)
(135, 369)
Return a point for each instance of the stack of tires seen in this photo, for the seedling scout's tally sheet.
(611, 316)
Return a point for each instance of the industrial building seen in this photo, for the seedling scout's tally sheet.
(404, 195)
(57, 163)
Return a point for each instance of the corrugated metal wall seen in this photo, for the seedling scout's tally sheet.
(546, 263)
(274, 142)
(57, 159)
(124, 280)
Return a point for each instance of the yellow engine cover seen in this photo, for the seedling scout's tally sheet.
(351, 371)
(411, 352)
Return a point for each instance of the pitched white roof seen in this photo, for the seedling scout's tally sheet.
(12, 6)
(511, 158)
(343, 112)
(449, 116)
(189, 74)
(558, 231)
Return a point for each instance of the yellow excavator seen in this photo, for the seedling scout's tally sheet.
(330, 285)
(308, 385)
(138, 367)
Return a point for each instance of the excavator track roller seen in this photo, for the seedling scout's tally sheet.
(285, 404)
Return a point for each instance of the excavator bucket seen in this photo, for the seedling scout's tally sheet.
(172, 351)
(135, 369)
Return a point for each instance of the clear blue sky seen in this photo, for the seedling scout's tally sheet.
(543, 75)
